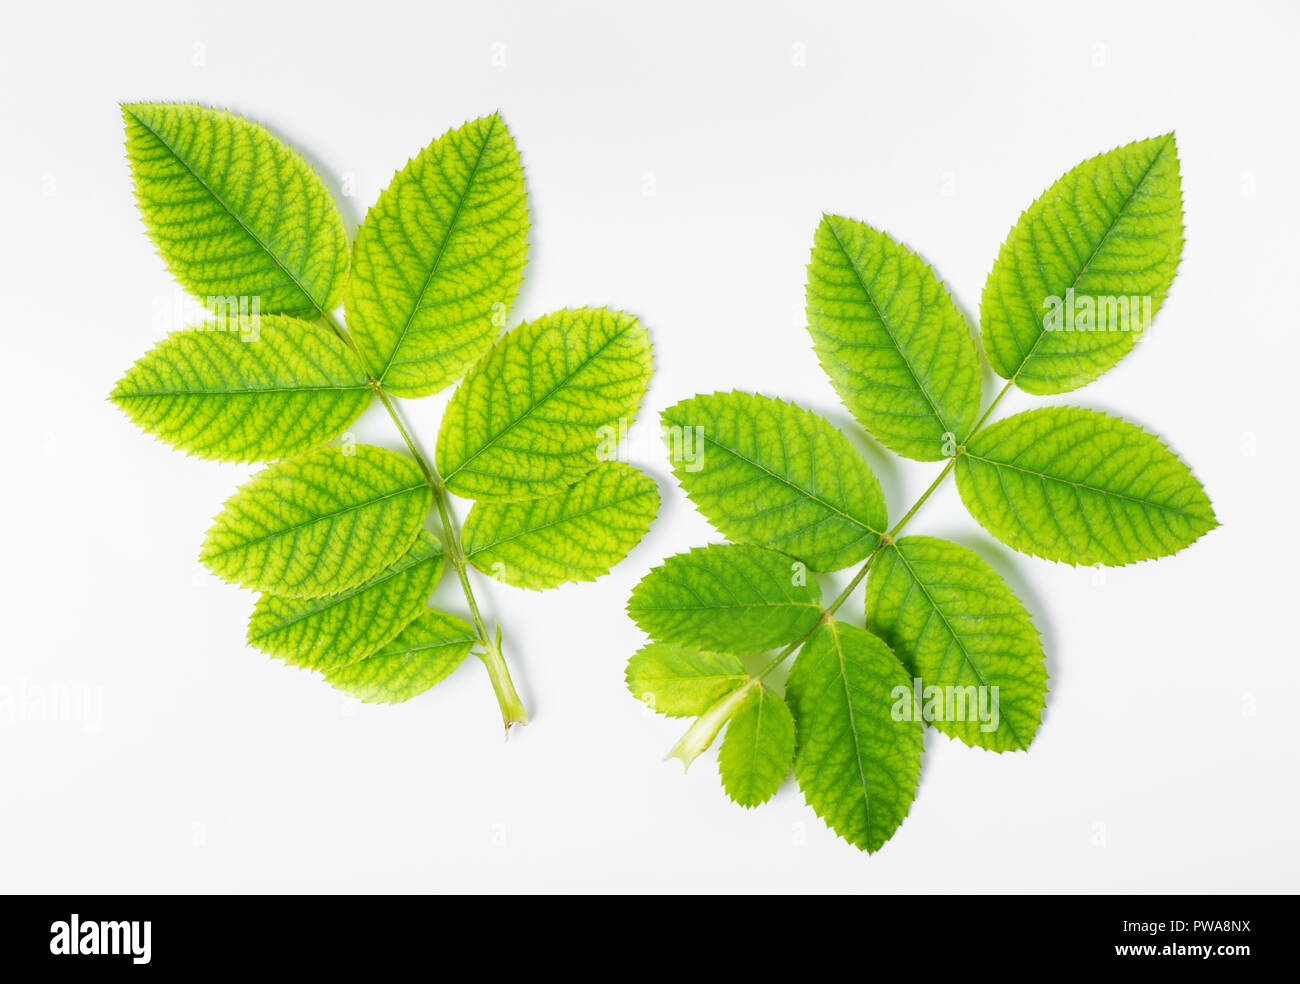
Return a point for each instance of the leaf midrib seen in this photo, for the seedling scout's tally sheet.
(853, 728)
(934, 605)
(423, 647)
(312, 522)
(1044, 476)
(751, 779)
(442, 248)
(907, 363)
(797, 488)
(816, 606)
(244, 391)
(687, 680)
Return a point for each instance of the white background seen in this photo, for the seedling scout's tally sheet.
(184, 761)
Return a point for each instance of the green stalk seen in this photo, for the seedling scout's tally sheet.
(885, 540)
(979, 424)
(512, 707)
(889, 537)
(843, 596)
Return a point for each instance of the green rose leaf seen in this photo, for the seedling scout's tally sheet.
(236, 213)
(682, 681)
(857, 765)
(533, 416)
(729, 597)
(1081, 487)
(424, 654)
(319, 523)
(774, 475)
(757, 749)
(956, 625)
(888, 334)
(288, 386)
(1085, 269)
(439, 260)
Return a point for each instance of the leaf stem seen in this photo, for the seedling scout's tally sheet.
(827, 612)
(699, 736)
(996, 400)
(333, 324)
(952, 463)
(426, 466)
(512, 707)
(843, 596)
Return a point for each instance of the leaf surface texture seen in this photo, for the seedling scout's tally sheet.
(424, 654)
(891, 339)
(439, 260)
(857, 766)
(955, 624)
(682, 681)
(227, 396)
(321, 633)
(1081, 487)
(758, 748)
(531, 418)
(234, 211)
(319, 523)
(576, 535)
(729, 597)
(774, 475)
(1110, 228)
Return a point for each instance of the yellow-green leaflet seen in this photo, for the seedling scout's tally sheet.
(544, 405)
(319, 523)
(277, 387)
(439, 259)
(1085, 269)
(321, 633)
(955, 624)
(576, 535)
(237, 215)
(859, 760)
(891, 339)
(424, 654)
(734, 598)
(772, 474)
(681, 680)
(1081, 487)
(757, 749)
